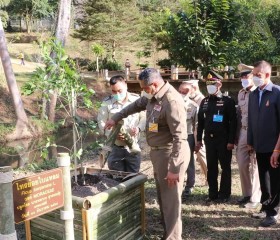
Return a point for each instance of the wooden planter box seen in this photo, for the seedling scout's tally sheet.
(117, 213)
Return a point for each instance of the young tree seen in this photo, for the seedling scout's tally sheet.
(98, 50)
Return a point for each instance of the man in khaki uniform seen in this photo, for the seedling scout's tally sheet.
(124, 156)
(247, 162)
(166, 133)
(195, 95)
(192, 109)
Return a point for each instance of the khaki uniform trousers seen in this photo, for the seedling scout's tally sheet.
(170, 198)
(201, 158)
(248, 169)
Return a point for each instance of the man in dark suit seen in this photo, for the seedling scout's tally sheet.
(263, 132)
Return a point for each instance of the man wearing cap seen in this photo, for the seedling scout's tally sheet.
(125, 154)
(217, 119)
(263, 133)
(196, 96)
(166, 134)
(247, 163)
(192, 109)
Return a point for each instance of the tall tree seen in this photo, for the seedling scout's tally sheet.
(108, 22)
(61, 34)
(22, 120)
(31, 9)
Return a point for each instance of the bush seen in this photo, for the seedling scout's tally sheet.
(111, 65)
(164, 63)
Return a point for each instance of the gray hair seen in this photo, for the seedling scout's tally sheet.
(149, 75)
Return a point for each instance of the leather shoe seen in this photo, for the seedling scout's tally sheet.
(269, 221)
(244, 200)
(259, 215)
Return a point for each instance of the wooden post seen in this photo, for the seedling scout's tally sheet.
(7, 226)
(67, 214)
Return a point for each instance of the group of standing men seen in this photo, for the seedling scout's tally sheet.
(168, 135)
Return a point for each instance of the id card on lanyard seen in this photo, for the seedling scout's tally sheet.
(153, 127)
(218, 117)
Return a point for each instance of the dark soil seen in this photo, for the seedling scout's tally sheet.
(90, 185)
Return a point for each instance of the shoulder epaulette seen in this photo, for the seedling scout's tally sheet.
(107, 98)
(134, 94)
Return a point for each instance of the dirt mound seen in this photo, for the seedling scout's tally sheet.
(7, 112)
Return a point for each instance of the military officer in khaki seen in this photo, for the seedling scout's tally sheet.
(247, 162)
(124, 156)
(166, 133)
(192, 109)
(195, 95)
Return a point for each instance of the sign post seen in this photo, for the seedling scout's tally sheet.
(7, 225)
(67, 214)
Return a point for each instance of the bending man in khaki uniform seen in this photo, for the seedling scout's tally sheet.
(125, 156)
(166, 132)
(247, 162)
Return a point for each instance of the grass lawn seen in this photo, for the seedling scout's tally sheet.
(216, 221)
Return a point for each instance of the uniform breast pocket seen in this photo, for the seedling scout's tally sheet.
(189, 114)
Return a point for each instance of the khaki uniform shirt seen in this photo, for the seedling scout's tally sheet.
(110, 106)
(198, 98)
(242, 109)
(192, 110)
(166, 110)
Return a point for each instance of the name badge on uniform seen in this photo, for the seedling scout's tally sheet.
(153, 127)
(157, 107)
(218, 118)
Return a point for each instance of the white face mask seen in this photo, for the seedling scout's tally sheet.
(183, 95)
(211, 89)
(147, 95)
(245, 82)
(258, 81)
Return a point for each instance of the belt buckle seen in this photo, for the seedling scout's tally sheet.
(211, 135)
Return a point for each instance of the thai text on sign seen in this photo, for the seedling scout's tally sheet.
(37, 195)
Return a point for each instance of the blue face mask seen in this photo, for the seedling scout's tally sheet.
(119, 97)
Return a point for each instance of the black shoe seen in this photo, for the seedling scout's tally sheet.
(259, 215)
(211, 200)
(223, 200)
(244, 200)
(188, 191)
(269, 221)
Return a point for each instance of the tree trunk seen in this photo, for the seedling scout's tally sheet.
(61, 33)
(22, 120)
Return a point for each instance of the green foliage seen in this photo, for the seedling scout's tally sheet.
(30, 9)
(108, 22)
(5, 129)
(212, 33)
(60, 73)
(111, 65)
(97, 49)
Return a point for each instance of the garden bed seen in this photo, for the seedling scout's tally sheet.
(116, 213)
